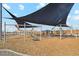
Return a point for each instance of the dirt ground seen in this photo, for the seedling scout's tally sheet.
(52, 46)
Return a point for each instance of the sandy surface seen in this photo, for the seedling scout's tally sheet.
(45, 47)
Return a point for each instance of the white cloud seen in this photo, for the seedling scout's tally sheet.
(69, 16)
(76, 12)
(6, 6)
(76, 17)
(15, 14)
(40, 5)
(21, 7)
(68, 24)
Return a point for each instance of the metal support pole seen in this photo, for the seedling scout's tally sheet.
(50, 33)
(0, 21)
(20, 33)
(24, 32)
(53, 30)
(71, 30)
(4, 41)
(0, 30)
(40, 33)
(33, 31)
(60, 31)
(33, 35)
(76, 36)
(76, 33)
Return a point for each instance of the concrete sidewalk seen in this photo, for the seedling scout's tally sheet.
(7, 52)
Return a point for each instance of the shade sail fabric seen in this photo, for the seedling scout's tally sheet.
(52, 14)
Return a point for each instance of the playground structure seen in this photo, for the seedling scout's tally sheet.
(38, 35)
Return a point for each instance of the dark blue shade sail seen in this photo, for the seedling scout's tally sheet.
(52, 14)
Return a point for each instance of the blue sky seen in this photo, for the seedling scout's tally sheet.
(22, 9)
